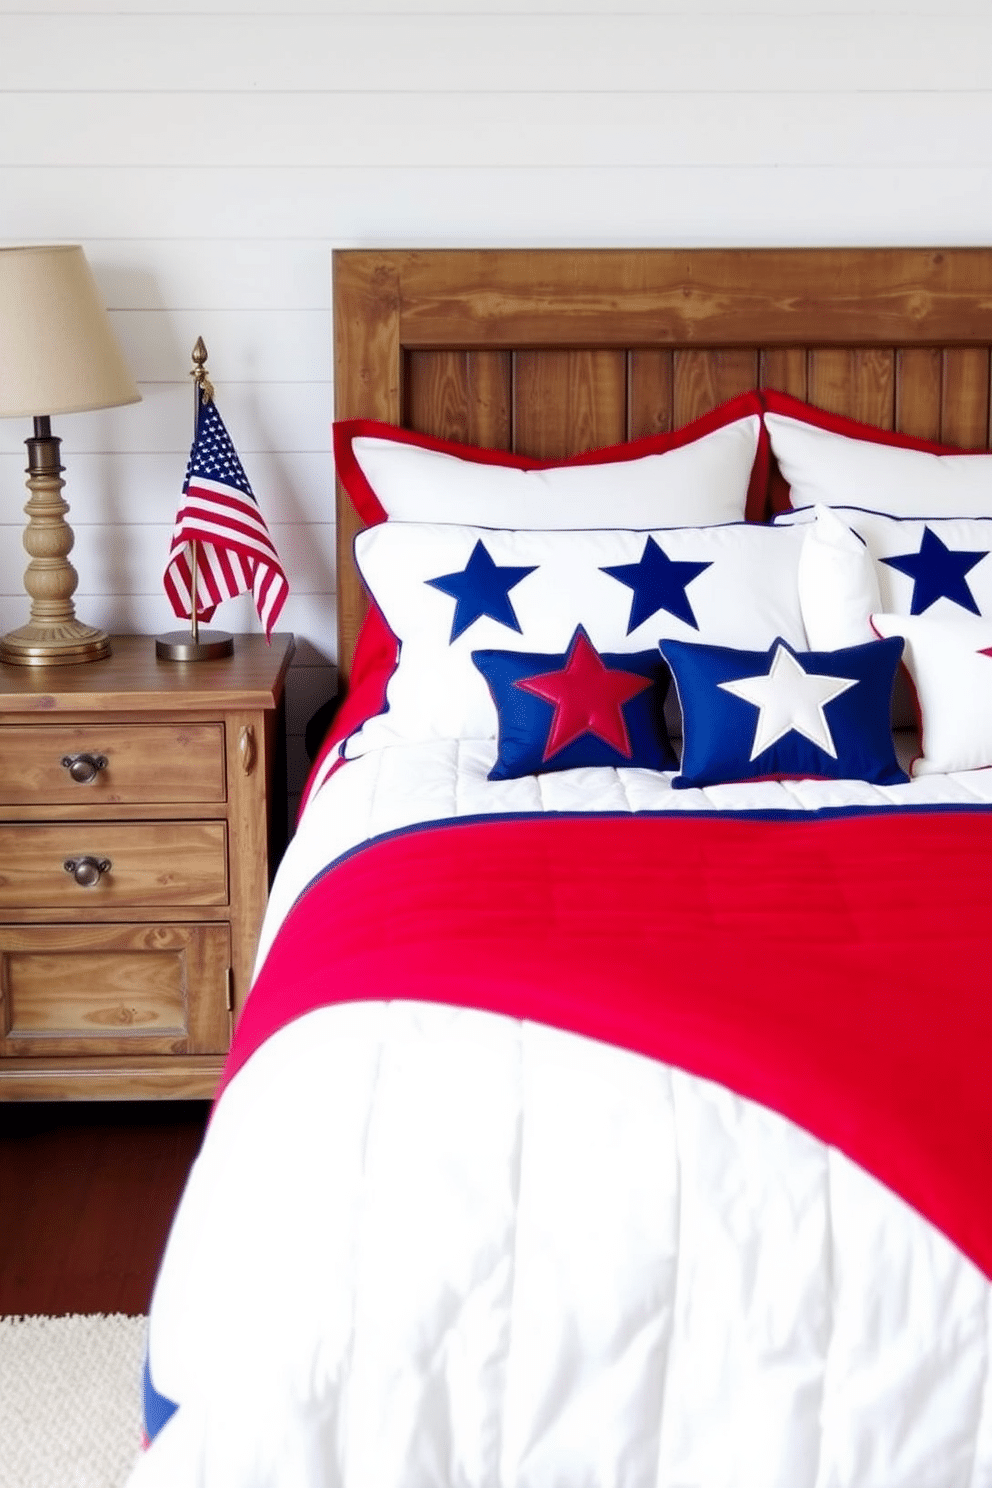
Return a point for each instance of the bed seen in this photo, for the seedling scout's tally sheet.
(613, 1103)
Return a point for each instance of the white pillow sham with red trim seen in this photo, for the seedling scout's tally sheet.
(826, 459)
(712, 470)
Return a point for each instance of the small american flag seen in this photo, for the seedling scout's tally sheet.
(218, 512)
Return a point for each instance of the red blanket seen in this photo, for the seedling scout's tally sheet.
(837, 970)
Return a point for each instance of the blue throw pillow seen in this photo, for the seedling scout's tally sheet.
(560, 712)
(785, 714)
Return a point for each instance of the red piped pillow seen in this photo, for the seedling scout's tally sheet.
(710, 471)
(825, 459)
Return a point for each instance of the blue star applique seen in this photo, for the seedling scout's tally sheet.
(482, 587)
(659, 583)
(938, 572)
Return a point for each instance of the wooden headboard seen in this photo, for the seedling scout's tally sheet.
(552, 351)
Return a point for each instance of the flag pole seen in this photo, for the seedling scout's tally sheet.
(197, 645)
(203, 391)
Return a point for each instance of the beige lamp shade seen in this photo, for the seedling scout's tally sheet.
(58, 354)
(58, 351)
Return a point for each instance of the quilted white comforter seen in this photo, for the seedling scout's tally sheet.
(428, 1246)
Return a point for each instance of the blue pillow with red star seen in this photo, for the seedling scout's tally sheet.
(578, 708)
(785, 714)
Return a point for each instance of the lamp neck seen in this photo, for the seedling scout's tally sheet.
(43, 448)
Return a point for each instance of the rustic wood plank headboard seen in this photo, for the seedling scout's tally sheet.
(552, 351)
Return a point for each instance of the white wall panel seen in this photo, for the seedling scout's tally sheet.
(677, 127)
(211, 156)
(261, 417)
(896, 8)
(197, 273)
(536, 52)
(932, 9)
(243, 345)
(539, 206)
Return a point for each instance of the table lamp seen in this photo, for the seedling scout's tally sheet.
(58, 354)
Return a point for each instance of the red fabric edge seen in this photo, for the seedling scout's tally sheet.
(836, 423)
(372, 666)
(371, 510)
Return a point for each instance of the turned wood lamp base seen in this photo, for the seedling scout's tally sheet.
(51, 645)
(53, 636)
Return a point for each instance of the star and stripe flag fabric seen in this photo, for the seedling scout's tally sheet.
(234, 553)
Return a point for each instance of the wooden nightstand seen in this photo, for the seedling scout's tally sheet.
(142, 813)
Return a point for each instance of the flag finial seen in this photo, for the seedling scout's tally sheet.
(204, 386)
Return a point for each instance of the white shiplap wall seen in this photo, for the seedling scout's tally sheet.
(209, 154)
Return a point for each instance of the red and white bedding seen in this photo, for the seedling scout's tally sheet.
(597, 1132)
(611, 1109)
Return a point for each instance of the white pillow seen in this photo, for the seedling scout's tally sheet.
(838, 587)
(703, 481)
(744, 592)
(942, 568)
(831, 469)
(950, 662)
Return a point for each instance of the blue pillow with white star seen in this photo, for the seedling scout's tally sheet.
(785, 714)
(577, 708)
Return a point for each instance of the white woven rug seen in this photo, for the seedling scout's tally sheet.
(70, 1400)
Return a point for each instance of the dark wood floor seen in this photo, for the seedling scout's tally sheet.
(87, 1194)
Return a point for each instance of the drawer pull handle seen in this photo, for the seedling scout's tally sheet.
(247, 749)
(87, 871)
(84, 768)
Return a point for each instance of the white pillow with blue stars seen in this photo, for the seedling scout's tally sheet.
(446, 591)
(785, 714)
(856, 562)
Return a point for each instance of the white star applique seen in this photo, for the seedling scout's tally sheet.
(788, 698)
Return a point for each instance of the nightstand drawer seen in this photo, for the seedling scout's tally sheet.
(99, 866)
(90, 989)
(111, 764)
(163, 786)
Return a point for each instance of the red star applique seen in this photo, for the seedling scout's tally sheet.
(986, 652)
(588, 698)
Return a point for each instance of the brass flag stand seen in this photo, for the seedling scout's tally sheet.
(196, 644)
